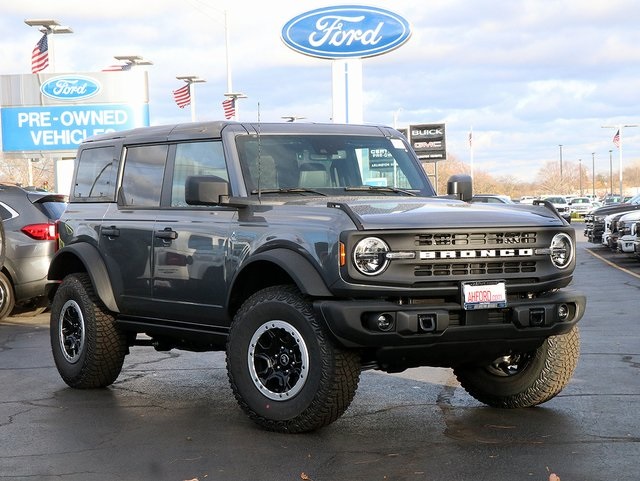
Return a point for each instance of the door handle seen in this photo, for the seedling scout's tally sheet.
(111, 231)
(167, 234)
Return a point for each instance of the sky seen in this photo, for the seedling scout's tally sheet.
(526, 76)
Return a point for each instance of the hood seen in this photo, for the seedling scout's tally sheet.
(614, 209)
(424, 212)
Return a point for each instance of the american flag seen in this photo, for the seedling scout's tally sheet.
(182, 96)
(40, 55)
(117, 68)
(616, 139)
(229, 107)
(470, 138)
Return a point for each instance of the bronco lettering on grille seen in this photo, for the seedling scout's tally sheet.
(470, 254)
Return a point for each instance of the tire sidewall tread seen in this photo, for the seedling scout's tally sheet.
(105, 346)
(333, 372)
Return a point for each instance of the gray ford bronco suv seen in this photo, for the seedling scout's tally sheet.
(307, 252)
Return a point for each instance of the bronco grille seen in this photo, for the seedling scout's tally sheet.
(446, 254)
(476, 239)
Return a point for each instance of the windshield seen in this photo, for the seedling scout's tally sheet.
(330, 165)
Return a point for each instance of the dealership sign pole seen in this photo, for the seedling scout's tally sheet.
(346, 34)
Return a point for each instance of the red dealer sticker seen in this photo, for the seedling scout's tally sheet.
(484, 295)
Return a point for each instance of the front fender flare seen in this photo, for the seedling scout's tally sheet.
(298, 267)
(84, 256)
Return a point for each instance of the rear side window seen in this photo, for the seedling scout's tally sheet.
(96, 175)
(143, 174)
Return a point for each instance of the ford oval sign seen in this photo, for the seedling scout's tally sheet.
(70, 87)
(346, 32)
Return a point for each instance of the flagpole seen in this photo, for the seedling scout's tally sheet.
(620, 155)
(620, 128)
(226, 48)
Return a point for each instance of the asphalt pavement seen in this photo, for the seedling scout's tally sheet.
(172, 416)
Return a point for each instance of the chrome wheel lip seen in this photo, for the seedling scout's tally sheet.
(71, 331)
(283, 334)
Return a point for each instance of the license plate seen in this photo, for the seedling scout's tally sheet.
(484, 295)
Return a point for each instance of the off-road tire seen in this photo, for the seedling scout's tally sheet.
(281, 320)
(88, 348)
(7, 297)
(541, 375)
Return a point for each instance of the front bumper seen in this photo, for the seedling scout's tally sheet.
(445, 334)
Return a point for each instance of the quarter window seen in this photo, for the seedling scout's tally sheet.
(96, 175)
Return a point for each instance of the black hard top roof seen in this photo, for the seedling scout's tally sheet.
(213, 129)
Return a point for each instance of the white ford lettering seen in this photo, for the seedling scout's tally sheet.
(471, 254)
(333, 33)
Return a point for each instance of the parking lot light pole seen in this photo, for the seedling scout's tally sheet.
(192, 79)
(49, 27)
(133, 60)
(593, 174)
(560, 145)
(580, 176)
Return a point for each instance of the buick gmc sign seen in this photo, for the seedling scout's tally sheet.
(346, 32)
(70, 87)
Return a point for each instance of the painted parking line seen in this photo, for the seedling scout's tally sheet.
(612, 264)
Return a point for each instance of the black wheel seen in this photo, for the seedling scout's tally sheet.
(88, 348)
(524, 379)
(286, 372)
(7, 297)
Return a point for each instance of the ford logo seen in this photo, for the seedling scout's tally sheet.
(70, 87)
(346, 32)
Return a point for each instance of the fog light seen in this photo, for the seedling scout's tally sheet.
(384, 322)
(563, 312)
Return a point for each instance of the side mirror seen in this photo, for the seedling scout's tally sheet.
(205, 190)
(460, 186)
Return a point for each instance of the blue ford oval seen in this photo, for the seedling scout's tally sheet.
(346, 32)
(70, 87)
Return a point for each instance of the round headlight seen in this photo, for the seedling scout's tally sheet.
(370, 256)
(561, 250)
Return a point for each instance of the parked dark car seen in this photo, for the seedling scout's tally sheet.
(30, 242)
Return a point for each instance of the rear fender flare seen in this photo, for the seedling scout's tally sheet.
(67, 260)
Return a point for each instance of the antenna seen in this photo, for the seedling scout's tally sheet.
(259, 158)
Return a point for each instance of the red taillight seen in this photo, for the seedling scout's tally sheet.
(41, 231)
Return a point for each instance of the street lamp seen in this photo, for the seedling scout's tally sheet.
(235, 96)
(192, 79)
(560, 145)
(133, 60)
(620, 127)
(593, 174)
(580, 175)
(49, 27)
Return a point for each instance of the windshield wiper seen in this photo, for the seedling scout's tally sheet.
(291, 190)
(378, 188)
